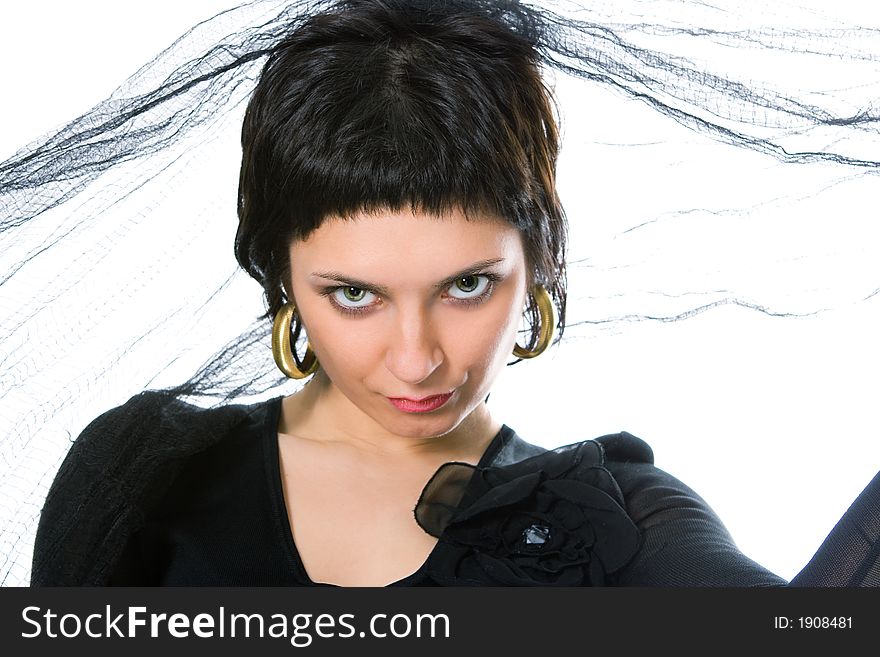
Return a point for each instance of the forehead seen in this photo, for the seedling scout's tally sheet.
(413, 243)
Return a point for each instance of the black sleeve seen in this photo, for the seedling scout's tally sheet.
(684, 543)
(91, 530)
(142, 560)
(850, 555)
(75, 537)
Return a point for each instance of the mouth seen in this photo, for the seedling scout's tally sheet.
(423, 405)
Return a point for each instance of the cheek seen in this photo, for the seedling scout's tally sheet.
(486, 341)
(344, 346)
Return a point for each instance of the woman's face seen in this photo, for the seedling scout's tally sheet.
(403, 306)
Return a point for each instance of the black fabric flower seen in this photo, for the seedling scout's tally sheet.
(555, 519)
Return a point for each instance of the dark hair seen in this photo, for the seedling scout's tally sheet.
(393, 104)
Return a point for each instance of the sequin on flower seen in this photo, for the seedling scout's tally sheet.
(536, 535)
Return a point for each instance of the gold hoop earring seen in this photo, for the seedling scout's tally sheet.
(548, 321)
(282, 350)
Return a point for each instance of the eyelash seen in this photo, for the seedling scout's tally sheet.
(493, 279)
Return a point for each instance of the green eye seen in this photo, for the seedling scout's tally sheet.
(469, 287)
(353, 294)
(353, 297)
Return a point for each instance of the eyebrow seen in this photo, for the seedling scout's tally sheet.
(471, 270)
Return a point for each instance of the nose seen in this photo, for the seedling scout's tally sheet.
(414, 351)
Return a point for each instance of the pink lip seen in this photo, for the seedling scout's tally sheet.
(423, 405)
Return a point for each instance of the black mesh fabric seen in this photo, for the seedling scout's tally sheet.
(118, 470)
(850, 555)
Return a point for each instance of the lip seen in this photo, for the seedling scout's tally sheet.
(423, 405)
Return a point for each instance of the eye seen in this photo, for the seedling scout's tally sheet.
(353, 297)
(469, 287)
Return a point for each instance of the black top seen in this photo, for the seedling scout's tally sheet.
(224, 520)
(156, 492)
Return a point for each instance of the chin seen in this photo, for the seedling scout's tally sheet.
(420, 425)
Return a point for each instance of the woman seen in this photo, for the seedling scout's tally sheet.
(408, 214)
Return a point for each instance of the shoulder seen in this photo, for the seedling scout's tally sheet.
(153, 422)
(621, 447)
(113, 473)
(151, 427)
(626, 448)
(682, 540)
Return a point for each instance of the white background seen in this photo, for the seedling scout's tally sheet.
(772, 420)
